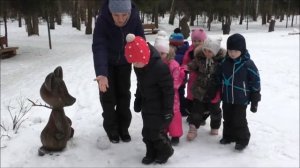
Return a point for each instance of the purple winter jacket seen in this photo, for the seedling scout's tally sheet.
(109, 40)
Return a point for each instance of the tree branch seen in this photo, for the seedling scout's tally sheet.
(42, 105)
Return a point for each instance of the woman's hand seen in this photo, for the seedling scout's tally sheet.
(102, 83)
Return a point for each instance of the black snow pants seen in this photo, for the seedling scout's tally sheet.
(116, 101)
(235, 125)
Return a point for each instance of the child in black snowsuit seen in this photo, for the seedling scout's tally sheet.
(155, 89)
(240, 86)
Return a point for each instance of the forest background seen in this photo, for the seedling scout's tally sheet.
(190, 13)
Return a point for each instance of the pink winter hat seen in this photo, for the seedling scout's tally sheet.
(198, 34)
(136, 49)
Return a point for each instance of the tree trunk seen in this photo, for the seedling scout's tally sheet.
(143, 17)
(48, 28)
(51, 21)
(242, 12)
(209, 21)
(78, 22)
(292, 23)
(5, 27)
(172, 13)
(226, 25)
(88, 29)
(32, 25)
(264, 19)
(20, 20)
(28, 25)
(155, 15)
(35, 22)
(74, 13)
(184, 26)
(254, 9)
(193, 18)
(58, 13)
(272, 25)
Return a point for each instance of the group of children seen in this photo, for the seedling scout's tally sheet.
(211, 74)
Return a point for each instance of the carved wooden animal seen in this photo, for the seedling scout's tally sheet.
(58, 130)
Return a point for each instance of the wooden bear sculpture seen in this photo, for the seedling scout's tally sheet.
(58, 130)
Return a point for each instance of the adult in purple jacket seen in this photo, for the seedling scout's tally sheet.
(116, 19)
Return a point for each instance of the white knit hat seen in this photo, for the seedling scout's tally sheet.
(161, 35)
(213, 45)
(161, 43)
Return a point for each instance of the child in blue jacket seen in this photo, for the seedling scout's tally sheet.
(240, 86)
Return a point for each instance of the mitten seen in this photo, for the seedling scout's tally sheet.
(137, 104)
(253, 107)
(255, 97)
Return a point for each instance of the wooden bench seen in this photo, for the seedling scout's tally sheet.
(150, 28)
(6, 52)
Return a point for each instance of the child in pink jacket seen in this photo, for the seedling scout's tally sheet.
(167, 54)
(198, 36)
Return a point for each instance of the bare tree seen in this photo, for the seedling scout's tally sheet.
(18, 112)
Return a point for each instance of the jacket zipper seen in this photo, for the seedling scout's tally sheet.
(122, 46)
(244, 88)
(232, 96)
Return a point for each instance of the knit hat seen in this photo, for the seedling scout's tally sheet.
(236, 42)
(213, 45)
(176, 39)
(162, 45)
(119, 6)
(198, 34)
(161, 35)
(136, 49)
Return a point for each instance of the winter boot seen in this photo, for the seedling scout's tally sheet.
(125, 137)
(150, 153)
(203, 123)
(225, 141)
(192, 133)
(239, 147)
(214, 131)
(114, 138)
(175, 141)
(164, 151)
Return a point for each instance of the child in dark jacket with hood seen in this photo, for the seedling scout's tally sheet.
(155, 88)
(240, 86)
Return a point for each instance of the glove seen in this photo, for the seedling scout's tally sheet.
(255, 97)
(167, 119)
(253, 107)
(137, 104)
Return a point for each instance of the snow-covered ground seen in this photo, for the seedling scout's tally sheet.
(274, 128)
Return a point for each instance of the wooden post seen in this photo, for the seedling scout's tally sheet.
(49, 35)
